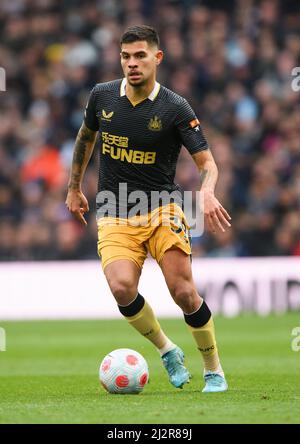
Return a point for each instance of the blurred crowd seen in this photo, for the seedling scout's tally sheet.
(232, 60)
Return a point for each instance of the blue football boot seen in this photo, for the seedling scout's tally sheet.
(214, 383)
(174, 364)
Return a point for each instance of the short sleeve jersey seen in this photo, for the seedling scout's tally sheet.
(139, 145)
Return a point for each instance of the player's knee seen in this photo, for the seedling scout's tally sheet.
(186, 296)
(124, 290)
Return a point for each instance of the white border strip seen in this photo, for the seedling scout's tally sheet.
(78, 290)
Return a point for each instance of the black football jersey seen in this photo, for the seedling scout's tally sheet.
(139, 145)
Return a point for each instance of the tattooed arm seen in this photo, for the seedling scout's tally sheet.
(215, 215)
(84, 145)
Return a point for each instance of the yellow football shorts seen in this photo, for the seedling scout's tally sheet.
(132, 238)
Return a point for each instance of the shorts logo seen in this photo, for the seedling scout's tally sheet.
(107, 116)
(155, 124)
(179, 227)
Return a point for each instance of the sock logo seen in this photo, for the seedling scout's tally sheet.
(205, 350)
(149, 332)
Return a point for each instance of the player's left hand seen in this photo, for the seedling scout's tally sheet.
(216, 217)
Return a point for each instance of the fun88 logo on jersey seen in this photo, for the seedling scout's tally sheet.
(117, 148)
(2, 79)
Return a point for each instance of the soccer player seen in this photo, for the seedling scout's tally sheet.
(142, 126)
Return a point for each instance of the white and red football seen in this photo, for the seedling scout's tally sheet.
(124, 371)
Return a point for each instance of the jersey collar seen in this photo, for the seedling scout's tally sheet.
(152, 95)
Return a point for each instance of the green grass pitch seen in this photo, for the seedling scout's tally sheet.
(49, 374)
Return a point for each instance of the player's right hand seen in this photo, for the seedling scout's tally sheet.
(77, 204)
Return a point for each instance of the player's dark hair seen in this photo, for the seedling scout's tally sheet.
(140, 33)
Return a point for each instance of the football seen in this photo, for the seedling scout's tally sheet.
(124, 371)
